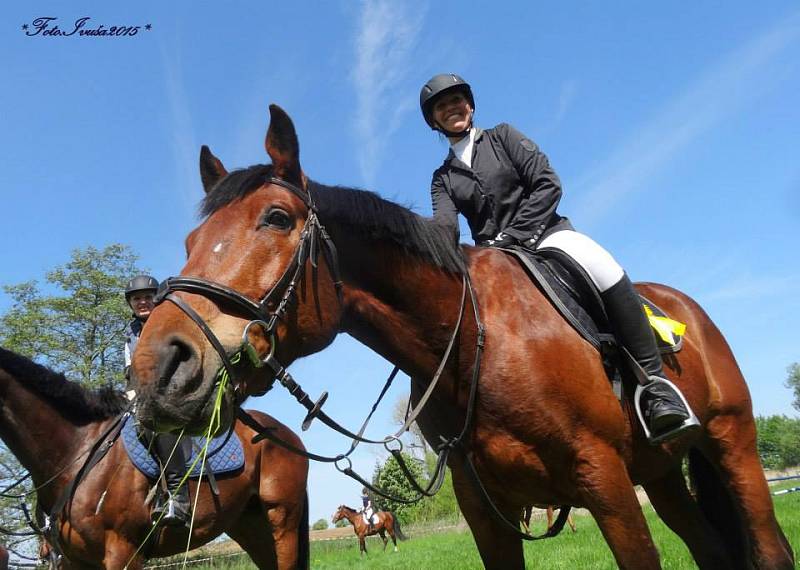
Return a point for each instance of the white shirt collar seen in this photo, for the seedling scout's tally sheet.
(463, 148)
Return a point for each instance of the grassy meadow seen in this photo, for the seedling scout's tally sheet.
(455, 550)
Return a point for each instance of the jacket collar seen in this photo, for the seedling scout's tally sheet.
(451, 156)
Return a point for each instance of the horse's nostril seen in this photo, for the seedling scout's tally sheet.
(177, 359)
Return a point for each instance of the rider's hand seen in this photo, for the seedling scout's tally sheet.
(500, 240)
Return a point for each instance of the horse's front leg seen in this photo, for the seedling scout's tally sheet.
(362, 542)
(499, 547)
(605, 487)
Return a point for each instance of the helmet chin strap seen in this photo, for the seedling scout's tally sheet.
(451, 134)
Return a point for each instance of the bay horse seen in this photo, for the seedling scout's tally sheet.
(546, 426)
(49, 424)
(387, 522)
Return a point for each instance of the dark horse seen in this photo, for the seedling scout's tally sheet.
(49, 424)
(547, 427)
(387, 522)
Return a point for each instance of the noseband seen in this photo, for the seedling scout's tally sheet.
(312, 238)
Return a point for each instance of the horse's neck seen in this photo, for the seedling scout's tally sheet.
(401, 307)
(38, 436)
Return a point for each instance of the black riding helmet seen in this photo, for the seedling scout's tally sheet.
(437, 85)
(140, 283)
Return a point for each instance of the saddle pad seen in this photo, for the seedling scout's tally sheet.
(573, 293)
(229, 458)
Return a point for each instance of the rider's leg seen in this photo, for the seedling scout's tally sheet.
(663, 408)
(176, 509)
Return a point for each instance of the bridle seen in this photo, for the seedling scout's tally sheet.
(313, 238)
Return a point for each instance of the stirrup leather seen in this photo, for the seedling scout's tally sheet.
(689, 422)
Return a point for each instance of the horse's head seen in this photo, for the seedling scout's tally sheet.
(341, 513)
(254, 290)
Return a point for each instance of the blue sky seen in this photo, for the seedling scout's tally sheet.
(674, 129)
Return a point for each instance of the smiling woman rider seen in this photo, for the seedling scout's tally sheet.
(504, 186)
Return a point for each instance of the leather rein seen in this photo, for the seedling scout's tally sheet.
(314, 237)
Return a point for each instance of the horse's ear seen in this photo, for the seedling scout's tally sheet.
(282, 147)
(211, 169)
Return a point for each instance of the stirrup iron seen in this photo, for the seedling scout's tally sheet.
(689, 422)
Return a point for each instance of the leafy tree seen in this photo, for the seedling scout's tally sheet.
(341, 523)
(75, 325)
(443, 505)
(321, 524)
(12, 517)
(793, 383)
(79, 328)
(778, 441)
(390, 478)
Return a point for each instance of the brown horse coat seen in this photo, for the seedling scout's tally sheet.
(547, 427)
(49, 424)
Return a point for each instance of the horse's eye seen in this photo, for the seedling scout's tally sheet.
(278, 219)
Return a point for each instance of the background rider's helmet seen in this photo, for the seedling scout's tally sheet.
(140, 283)
(437, 85)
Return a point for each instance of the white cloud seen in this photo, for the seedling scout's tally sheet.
(735, 82)
(568, 90)
(386, 36)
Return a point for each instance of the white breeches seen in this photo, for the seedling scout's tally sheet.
(595, 260)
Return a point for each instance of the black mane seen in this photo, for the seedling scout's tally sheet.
(359, 212)
(71, 399)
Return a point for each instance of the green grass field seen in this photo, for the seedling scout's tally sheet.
(456, 550)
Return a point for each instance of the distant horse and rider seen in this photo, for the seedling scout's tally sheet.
(383, 522)
(99, 514)
(523, 411)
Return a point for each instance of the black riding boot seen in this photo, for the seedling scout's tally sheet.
(176, 507)
(663, 409)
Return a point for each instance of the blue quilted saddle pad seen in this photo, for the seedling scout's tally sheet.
(229, 458)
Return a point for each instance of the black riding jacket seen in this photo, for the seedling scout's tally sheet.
(510, 188)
